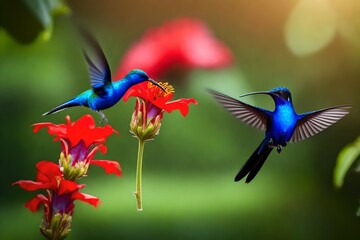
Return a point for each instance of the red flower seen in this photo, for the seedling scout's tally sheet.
(59, 200)
(82, 130)
(149, 112)
(157, 100)
(80, 141)
(61, 192)
(183, 42)
(151, 102)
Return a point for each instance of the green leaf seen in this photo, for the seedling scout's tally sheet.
(346, 158)
(358, 212)
(25, 20)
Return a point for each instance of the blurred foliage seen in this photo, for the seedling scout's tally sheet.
(25, 20)
(189, 168)
(345, 160)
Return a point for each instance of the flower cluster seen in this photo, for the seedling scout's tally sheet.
(183, 43)
(80, 141)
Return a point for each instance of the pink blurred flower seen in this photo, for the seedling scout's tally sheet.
(184, 42)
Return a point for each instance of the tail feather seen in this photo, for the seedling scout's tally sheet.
(61, 107)
(258, 165)
(254, 163)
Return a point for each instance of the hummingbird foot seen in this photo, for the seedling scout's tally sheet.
(280, 147)
(270, 143)
(103, 118)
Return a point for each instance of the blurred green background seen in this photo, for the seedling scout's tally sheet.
(188, 186)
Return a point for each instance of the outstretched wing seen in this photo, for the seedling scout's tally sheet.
(311, 123)
(99, 69)
(253, 116)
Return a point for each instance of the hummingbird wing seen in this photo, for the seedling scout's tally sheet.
(311, 123)
(100, 74)
(253, 116)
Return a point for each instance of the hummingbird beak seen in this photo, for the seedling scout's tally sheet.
(156, 83)
(253, 93)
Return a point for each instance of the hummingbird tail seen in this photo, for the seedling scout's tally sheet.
(254, 163)
(62, 107)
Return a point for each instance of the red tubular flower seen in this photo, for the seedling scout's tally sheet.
(157, 98)
(49, 176)
(151, 102)
(149, 111)
(80, 141)
(59, 200)
(183, 42)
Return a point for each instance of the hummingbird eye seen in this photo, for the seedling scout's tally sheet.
(143, 75)
(284, 94)
(281, 93)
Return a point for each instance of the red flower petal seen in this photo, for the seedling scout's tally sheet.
(162, 102)
(58, 130)
(32, 186)
(86, 198)
(48, 172)
(181, 104)
(102, 149)
(67, 186)
(79, 129)
(48, 167)
(34, 203)
(133, 92)
(47, 177)
(83, 129)
(109, 166)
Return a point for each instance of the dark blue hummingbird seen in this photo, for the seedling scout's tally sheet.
(281, 126)
(103, 93)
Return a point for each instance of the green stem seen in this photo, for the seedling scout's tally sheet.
(139, 175)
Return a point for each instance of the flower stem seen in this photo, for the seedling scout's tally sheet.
(139, 175)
